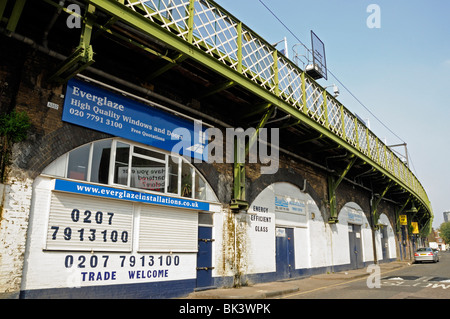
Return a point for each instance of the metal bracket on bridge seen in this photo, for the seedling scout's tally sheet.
(375, 214)
(239, 202)
(83, 56)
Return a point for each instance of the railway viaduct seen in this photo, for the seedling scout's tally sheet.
(94, 202)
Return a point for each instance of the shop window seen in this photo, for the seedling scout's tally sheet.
(172, 174)
(115, 162)
(77, 167)
(101, 153)
(121, 163)
(149, 153)
(200, 187)
(186, 180)
(205, 219)
(147, 174)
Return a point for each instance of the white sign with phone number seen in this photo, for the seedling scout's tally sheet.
(89, 224)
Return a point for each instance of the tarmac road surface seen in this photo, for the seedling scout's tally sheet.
(395, 280)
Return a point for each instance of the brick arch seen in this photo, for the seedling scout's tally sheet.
(357, 207)
(220, 184)
(38, 152)
(347, 193)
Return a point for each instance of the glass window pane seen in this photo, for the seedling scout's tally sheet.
(200, 187)
(78, 163)
(210, 194)
(172, 186)
(100, 162)
(147, 174)
(121, 163)
(186, 180)
(150, 153)
(205, 219)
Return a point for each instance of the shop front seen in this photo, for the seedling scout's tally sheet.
(280, 243)
(89, 239)
(119, 217)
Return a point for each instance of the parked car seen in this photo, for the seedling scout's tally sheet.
(426, 254)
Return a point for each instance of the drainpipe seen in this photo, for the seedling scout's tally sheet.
(304, 186)
(51, 23)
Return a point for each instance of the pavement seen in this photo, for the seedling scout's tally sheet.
(279, 289)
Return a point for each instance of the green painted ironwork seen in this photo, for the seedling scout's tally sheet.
(83, 56)
(2, 8)
(239, 201)
(333, 184)
(208, 34)
(376, 202)
(15, 15)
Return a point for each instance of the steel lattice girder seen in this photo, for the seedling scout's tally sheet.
(143, 24)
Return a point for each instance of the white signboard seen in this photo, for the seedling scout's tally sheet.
(354, 217)
(288, 204)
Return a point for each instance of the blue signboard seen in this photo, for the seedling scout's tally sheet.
(135, 196)
(101, 110)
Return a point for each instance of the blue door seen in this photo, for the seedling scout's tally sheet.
(384, 243)
(354, 237)
(204, 258)
(285, 262)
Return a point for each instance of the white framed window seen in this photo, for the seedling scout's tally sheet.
(118, 162)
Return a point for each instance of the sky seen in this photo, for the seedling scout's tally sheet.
(399, 70)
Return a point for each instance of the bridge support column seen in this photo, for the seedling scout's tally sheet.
(239, 201)
(400, 231)
(374, 207)
(375, 216)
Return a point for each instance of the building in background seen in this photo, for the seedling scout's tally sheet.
(435, 241)
(446, 216)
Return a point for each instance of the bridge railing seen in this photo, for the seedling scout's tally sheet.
(207, 26)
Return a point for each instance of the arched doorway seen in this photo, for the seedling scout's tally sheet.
(385, 240)
(352, 241)
(285, 233)
(117, 218)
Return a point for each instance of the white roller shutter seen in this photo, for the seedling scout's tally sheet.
(167, 230)
(86, 223)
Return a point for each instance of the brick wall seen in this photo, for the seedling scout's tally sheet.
(25, 69)
(14, 216)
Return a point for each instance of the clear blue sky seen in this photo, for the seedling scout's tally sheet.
(400, 71)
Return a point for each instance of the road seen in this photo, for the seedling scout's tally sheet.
(422, 281)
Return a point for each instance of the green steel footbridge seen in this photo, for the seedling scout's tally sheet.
(233, 74)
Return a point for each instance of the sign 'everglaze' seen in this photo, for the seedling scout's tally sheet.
(101, 110)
